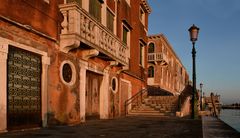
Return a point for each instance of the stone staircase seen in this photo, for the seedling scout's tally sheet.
(156, 106)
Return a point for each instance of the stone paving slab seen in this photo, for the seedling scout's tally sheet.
(215, 128)
(126, 127)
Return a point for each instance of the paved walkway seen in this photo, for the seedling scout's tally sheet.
(127, 127)
(215, 128)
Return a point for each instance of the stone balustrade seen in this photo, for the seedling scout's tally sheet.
(79, 26)
(158, 57)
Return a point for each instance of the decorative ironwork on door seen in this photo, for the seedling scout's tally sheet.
(24, 89)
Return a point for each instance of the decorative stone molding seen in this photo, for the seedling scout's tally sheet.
(72, 71)
(146, 6)
(67, 43)
(78, 26)
(86, 54)
(158, 57)
(124, 68)
(114, 85)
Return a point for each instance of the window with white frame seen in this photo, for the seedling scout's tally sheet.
(125, 35)
(142, 15)
(151, 72)
(151, 48)
(141, 54)
(95, 9)
(110, 20)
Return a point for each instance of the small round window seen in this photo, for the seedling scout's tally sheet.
(114, 84)
(68, 72)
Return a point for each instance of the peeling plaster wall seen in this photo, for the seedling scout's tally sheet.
(63, 99)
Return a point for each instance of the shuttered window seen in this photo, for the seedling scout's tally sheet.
(110, 20)
(95, 9)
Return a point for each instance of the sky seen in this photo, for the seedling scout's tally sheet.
(218, 45)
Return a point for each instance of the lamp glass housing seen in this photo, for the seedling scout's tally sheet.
(193, 32)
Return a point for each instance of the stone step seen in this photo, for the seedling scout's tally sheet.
(150, 113)
(160, 105)
(159, 102)
(146, 113)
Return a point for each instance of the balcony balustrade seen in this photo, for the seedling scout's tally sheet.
(158, 57)
(79, 26)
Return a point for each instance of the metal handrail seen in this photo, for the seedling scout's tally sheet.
(133, 98)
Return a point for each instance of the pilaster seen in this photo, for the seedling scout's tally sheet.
(45, 64)
(82, 89)
(3, 82)
(104, 95)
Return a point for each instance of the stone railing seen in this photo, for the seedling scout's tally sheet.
(78, 26)
(157, 57)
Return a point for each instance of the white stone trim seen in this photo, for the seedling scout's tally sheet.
(116, 85)
(73, 80)
(22, 46)
(47, 1)
(128, 34)
(3, 82)
(82, 89)
(128, 2)
(4, 44)
(104, 96)
(143, 20)
(104, 13)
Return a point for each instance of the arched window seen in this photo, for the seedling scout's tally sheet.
(151, 72)
(151, 48)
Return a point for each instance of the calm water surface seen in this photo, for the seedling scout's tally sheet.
(231, 117)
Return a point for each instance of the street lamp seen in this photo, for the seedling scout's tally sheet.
(193, 32)
(201, 85)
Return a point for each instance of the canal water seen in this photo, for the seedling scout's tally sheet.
(231, 117)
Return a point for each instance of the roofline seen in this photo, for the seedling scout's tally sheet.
(147, 6)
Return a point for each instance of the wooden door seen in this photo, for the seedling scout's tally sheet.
(124, 96)
(93, 83)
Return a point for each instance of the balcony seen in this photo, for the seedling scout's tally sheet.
(79, 27)
(158, 58)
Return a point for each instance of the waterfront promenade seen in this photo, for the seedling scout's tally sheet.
(213, 127)
(129, 127)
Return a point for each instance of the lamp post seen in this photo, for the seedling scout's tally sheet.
(193, 32)
(201, 85)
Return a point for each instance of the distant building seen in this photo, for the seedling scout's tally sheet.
(67, 61)
(165, 69)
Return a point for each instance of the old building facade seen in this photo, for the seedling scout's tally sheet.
(66, 61)
(165, 69)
